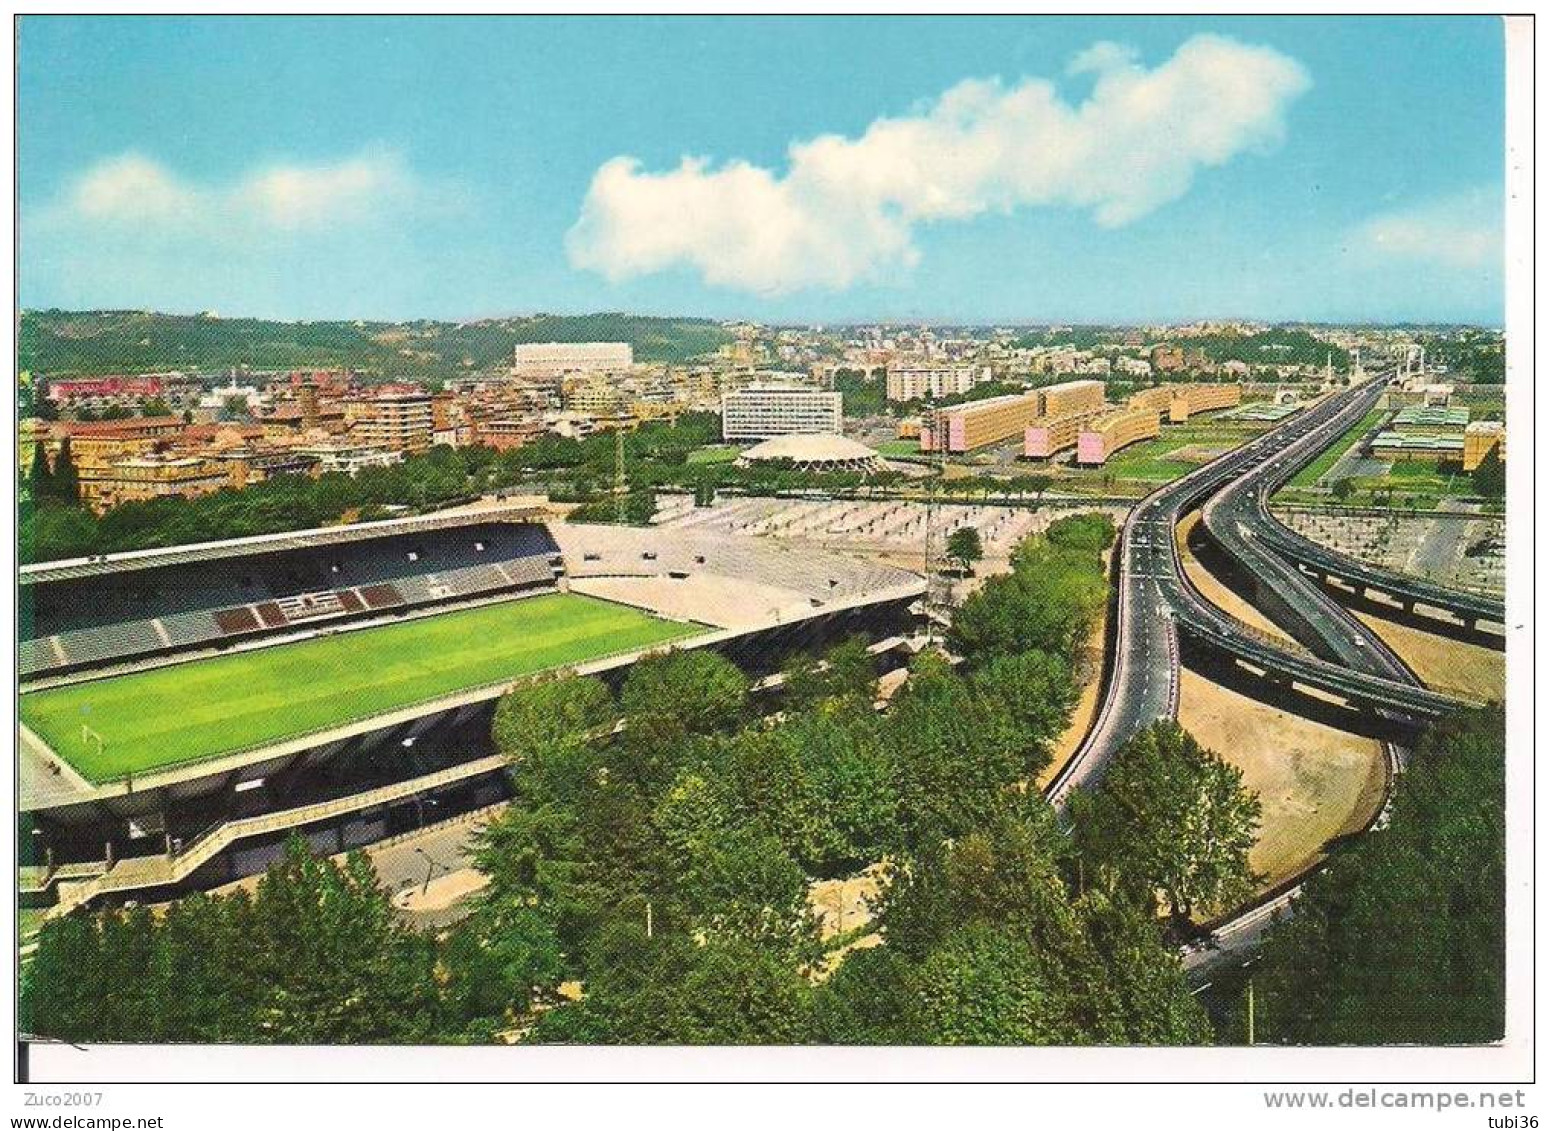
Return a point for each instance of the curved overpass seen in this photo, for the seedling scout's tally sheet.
(1237, 520)
(1245, 503)
(1156, 602)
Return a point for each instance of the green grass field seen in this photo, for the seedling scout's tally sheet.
(1318, 468)
(1149, 460)
(203, 708)
(720, 453)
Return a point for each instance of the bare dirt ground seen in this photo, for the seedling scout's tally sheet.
(1314, 782)
(1215, 591)
(1447, 665)
(442, 892)
(843, 906)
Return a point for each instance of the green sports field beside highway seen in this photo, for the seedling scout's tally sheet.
(203, 708)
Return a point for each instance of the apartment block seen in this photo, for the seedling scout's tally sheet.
(397, 422)
(1188, 400)
(1049, 435)
(962, 428)
(1115, 431)
(913, 382)
(1071, 397)
(1157, 399)
(144, 477)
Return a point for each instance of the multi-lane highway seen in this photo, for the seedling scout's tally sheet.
(1156, 601)
(1250, 503)
(1237, 519)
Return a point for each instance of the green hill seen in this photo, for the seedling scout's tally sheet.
(61, 343)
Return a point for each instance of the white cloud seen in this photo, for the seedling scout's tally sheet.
(845, 209)
(1102, 56)
(1461, 232)
(132, 192)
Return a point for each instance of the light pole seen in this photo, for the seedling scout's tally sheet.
(430, 868)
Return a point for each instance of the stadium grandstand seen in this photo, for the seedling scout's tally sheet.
(81, 614)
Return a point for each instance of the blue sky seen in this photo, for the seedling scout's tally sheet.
(1025, 169)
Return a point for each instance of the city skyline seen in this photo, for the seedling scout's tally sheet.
(789, 170)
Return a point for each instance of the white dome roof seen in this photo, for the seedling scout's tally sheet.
(811, 447)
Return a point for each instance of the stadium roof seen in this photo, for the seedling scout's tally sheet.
(811, 448)
(103, 564)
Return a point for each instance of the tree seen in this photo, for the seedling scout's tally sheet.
(736, 878)
(333, 964)
(315, 957)
(1090, 533)
(965, 547)
(63, 989)
(1169, 816)
(670, 698)
(549, 726)
(846, 671)
(985, 945)
(1037, 692)
(1049, 601)
(63, 482)
(670, 989)
(1400, 939)
(500, 963)
(1038, 484)
(1343, 489)
(39, 480)
(956, 754)
(1490, 476)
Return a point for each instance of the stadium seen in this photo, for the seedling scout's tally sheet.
(184, 710)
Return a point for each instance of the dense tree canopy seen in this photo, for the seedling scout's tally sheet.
(989, 946)
(315, 956)
(1049, 601)
(1169, 816)
(1401, 938)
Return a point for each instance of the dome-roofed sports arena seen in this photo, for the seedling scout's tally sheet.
(814, 451)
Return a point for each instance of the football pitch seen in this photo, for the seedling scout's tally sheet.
(204, 708)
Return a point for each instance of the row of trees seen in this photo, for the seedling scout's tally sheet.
(53, 524)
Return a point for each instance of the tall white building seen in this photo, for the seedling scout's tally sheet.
(756, 412)
(546, 359)
(915, 382)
